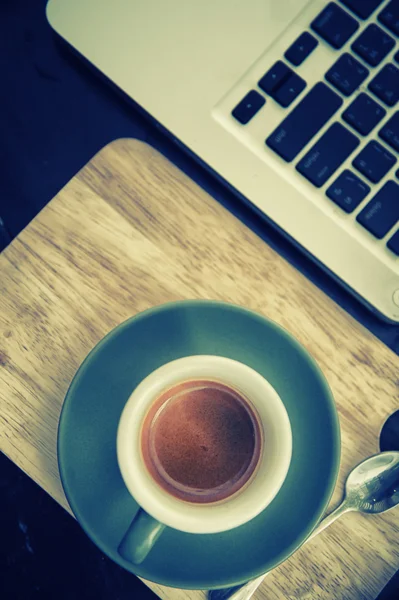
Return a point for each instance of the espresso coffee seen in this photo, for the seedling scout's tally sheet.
(201, 441)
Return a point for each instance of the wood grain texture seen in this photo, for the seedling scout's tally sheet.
(131, 231)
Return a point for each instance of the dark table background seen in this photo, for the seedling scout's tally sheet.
(55, 114)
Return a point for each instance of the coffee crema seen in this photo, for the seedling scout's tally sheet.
(201, 441)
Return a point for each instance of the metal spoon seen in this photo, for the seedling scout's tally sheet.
(372, 487)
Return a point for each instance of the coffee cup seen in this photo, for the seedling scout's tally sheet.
(204, 445)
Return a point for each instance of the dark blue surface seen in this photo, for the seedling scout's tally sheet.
(335, 25)
(304, 121)
(363, 114)
(44, 554)
(328, 153)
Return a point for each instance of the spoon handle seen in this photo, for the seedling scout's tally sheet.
(329, 519)
(244, 592)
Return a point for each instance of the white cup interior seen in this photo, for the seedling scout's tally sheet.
(273, 463)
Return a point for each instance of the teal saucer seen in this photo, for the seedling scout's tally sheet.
(87, 441)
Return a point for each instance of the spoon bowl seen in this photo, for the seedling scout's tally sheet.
(372, 487)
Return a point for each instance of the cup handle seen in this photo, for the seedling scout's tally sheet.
(140, 537)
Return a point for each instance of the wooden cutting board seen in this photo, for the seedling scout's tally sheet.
(131, 231)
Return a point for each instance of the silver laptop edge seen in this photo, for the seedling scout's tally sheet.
(188, 64)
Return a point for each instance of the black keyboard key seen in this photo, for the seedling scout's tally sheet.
(363, 114)
(248, 107)
(382, 212)
(348, 191)
(290, 90)
(374, 161)
(385, 85)
(373, 45)
(305, 120)
(275, 77)
(301, 48)
(347, 74)
(389, 16)
(390, 132)
(328, 153)
(393, 243)
(362, 8)
(335, 25)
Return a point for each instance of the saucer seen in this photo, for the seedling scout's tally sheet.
(87, 441)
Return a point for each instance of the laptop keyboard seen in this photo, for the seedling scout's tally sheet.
(358, 66)
(335, 25)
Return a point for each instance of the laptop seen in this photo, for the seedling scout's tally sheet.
(293, 103)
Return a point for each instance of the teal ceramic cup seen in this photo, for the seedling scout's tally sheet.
(159, 508)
